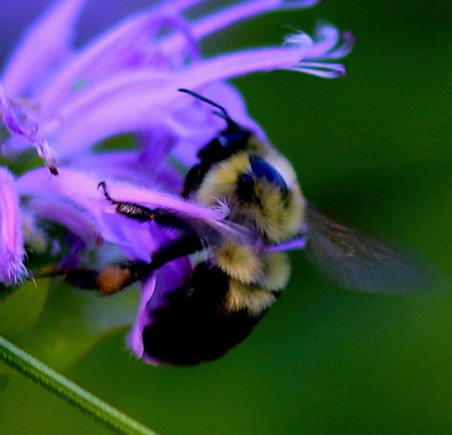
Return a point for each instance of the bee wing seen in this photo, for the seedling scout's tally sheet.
(357, 261)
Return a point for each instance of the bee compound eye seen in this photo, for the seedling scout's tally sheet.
(262, 169)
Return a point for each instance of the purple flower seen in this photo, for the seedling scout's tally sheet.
(64, 102)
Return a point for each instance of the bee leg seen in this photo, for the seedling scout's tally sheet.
(174, 249)
(194, 178)
(161, 216)
(132, 210)
(117, 276)
(111, 279)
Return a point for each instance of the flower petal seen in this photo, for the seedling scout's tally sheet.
(329, 43)
(321, 69)
(12, 252)
(43, 46)
(135, 340)
(326, 45)
(154, 296)
(26, 129)
(69, 217)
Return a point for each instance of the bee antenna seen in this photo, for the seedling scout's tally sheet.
(222, 113)
(223, 116)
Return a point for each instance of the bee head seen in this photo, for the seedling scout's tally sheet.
(229, 141)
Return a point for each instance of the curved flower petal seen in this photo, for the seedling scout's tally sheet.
(27, 130)
(44, 46)
(155, 293)
(69, 217)
(329, 43)
(319, 69)
(12, 252)
(135, 340)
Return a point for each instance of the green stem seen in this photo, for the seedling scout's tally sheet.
(68, 390)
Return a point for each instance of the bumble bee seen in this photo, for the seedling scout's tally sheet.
(220, 301)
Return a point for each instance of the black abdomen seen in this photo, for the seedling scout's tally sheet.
(192, 325)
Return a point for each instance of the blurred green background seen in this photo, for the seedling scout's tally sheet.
(373, 150)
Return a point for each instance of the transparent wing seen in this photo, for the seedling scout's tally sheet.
(357, 261)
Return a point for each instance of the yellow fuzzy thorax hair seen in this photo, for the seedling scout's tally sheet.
(276, 217)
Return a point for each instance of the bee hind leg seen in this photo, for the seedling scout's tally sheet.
(117, 276)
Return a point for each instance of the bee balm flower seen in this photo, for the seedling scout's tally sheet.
(65, 102)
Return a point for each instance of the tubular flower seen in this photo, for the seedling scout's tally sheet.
(61, 103)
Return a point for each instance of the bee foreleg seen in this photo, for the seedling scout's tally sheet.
(164, 217)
